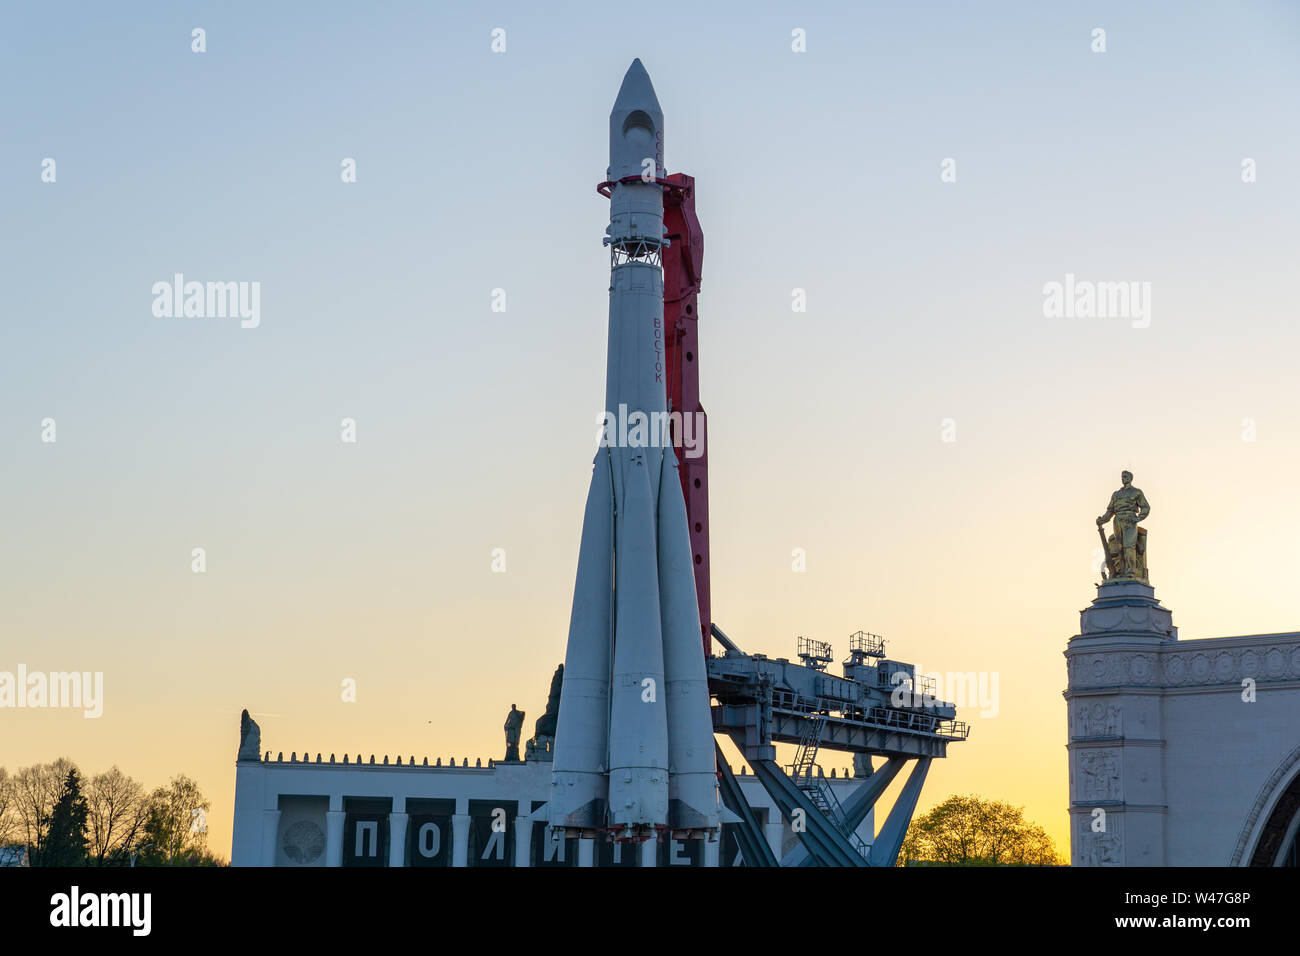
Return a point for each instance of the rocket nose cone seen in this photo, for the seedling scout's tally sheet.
(636, 126)
(637, 92)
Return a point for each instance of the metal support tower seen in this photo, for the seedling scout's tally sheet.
(683, 265)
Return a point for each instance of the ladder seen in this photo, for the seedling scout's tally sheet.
(818, 791)
(809, 740)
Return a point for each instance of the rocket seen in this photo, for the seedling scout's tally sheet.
(634, 751)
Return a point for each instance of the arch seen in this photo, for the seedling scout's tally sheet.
(1272, 818)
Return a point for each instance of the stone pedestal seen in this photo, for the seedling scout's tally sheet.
(1116, 737)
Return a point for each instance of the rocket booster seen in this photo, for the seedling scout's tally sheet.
(634, 749)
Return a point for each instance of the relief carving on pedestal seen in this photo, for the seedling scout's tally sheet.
(1098, 720)
(1099, 849)
(1098, 775)
(1141, 667)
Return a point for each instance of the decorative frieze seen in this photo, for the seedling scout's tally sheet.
(1094, 847)
(1098, 720)
(1184, 665)
(1098, 778)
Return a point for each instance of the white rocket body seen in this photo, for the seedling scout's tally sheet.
(634, 741)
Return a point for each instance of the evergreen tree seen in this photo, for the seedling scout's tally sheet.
(65, 843)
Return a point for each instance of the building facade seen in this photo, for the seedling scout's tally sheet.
(1181, 752)
(316, 812)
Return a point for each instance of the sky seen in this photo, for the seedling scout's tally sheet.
(933, 439)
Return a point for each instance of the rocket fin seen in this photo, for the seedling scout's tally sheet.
(692, 782)
(579, 786)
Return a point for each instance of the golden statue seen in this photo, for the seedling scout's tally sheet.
(1126, 548)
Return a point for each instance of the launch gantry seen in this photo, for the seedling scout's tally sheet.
(758, 702)
(878, 708)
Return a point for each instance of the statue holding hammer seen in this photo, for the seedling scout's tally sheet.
(1126, 551)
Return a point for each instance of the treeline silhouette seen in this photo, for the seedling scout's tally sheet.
(50, 815)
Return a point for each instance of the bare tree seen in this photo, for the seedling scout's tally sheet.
(36, 790)
(117, 817)
(9, 825)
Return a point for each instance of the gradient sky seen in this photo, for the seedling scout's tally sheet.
(476, 171)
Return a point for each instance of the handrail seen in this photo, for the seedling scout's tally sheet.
(945, 727)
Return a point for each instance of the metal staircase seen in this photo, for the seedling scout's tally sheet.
(809, 740)
(815, 787)
(823, 798)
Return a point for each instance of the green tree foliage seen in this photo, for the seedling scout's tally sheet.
(176, 828)
(108, 821)
(971, 831)
(65, 840)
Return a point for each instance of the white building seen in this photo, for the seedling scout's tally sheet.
(1182, 752)
(325, 812)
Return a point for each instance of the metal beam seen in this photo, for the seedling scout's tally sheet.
(884, 851)
(826, 844)
(861, 738)
(753, 844)
(847, 736)
(725, 641)
(856, 807)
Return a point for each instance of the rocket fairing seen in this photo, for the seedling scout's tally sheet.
(634, 750)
